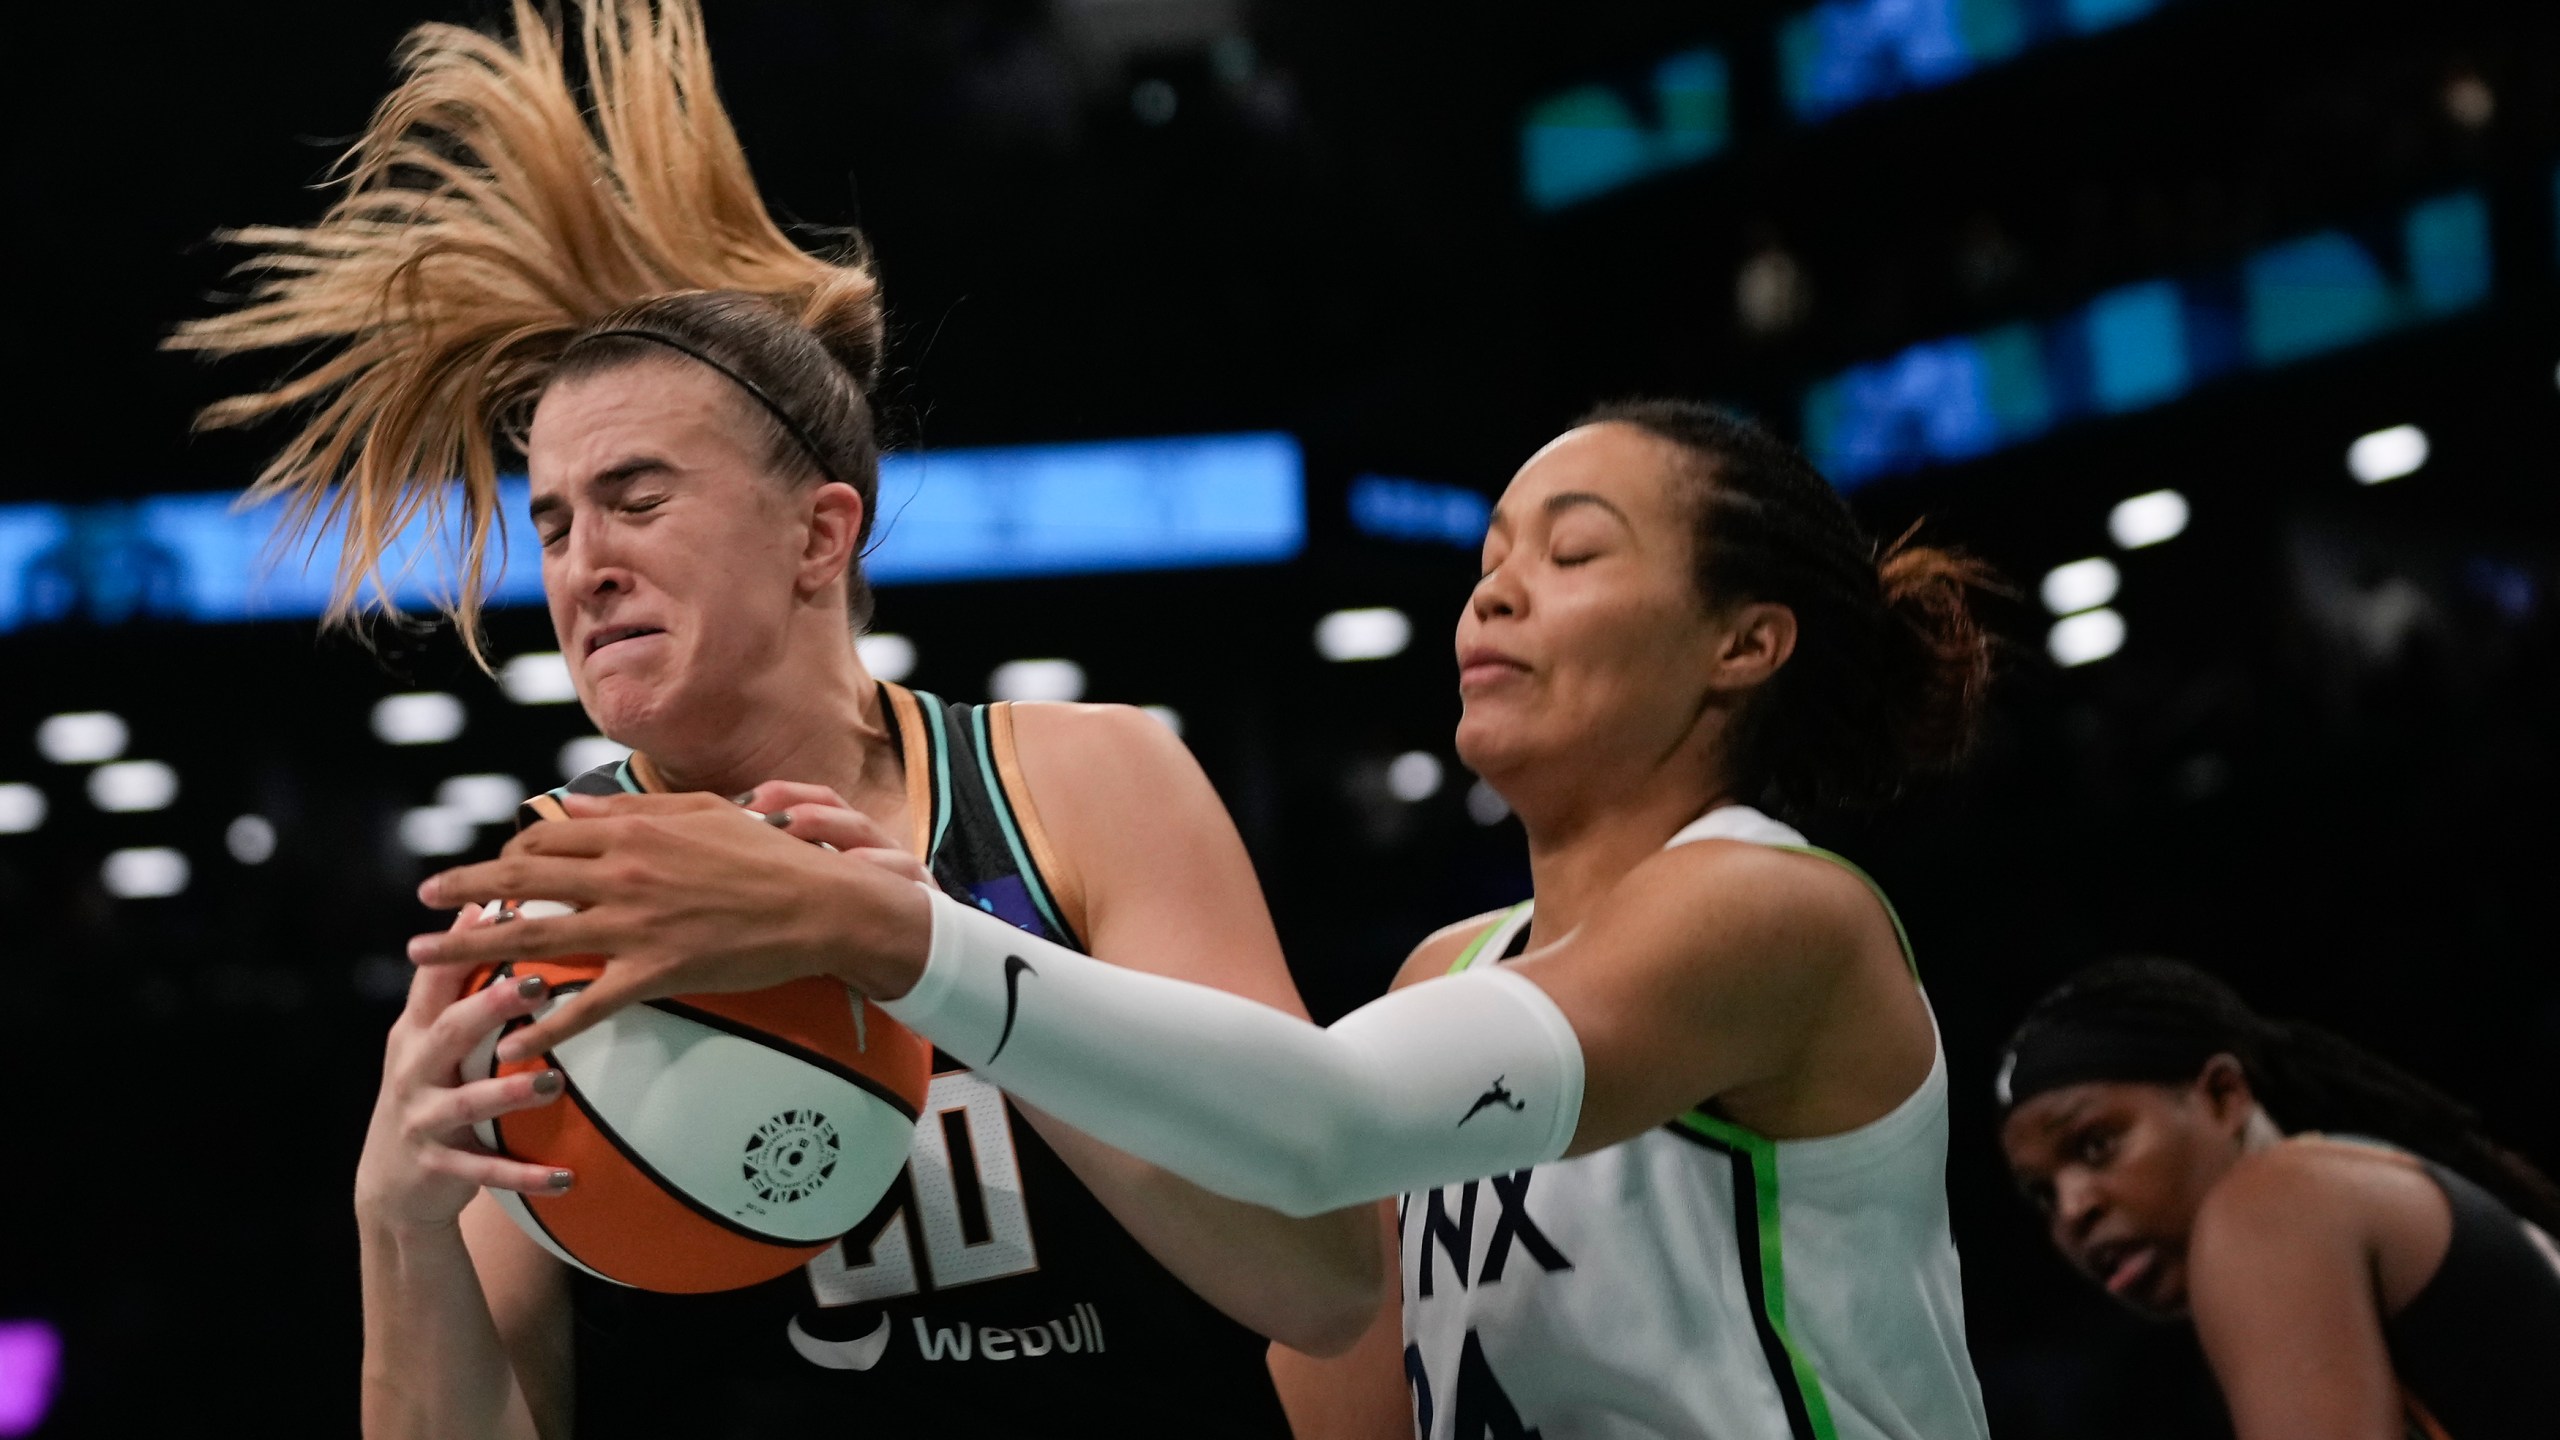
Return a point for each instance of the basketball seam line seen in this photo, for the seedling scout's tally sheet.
(613, 1137)
(673, 1190)
(783, 1045)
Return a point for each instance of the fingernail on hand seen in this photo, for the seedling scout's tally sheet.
(428, 891)
(559, 1179)
(530, 987)
(547, 1083)
(743, 797)
(423, 948)
(779, 819)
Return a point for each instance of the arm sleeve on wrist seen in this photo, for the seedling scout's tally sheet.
(1451, 1079)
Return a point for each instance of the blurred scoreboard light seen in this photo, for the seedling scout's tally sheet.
(227, 558)
(1846, 53)
(2146, 344)
(1393, 508)
(945, 515)
(29, 534)
(1085, 508)
(199, 557)
(1591, 139)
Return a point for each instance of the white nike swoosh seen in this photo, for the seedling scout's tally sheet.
(859, 1354)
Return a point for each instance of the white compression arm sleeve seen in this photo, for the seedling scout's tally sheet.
(1448, 1080)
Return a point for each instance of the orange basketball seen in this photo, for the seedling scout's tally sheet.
(718, 1140)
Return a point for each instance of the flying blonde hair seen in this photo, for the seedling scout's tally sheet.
(492, 213)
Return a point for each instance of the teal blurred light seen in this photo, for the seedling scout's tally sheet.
(1589, 140)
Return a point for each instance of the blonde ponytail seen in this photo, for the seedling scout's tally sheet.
(492, 211)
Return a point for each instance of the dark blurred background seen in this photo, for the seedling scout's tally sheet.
(2284, 275)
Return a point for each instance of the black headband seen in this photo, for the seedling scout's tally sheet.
(771, 405)
(2078, 1050)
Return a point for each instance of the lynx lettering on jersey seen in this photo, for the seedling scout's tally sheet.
(1456, 1238)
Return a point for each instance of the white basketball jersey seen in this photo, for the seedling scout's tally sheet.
(1698, 1280)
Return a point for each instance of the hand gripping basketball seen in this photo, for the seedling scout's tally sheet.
(421, 1163)
(684, 894)
(720, 1140)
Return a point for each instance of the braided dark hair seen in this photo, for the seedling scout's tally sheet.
(1890, 663)
(2149, 1020)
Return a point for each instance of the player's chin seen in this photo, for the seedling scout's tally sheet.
(2162, 1297)
(1493, 732)
(627, 705)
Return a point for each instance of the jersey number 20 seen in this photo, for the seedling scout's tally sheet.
(962, 1192)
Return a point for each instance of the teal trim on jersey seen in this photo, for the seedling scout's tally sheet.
(1761, 1154)
(622, 776)
(1031, 878)
(1475, 947)
(1901, 936)
(931, 705)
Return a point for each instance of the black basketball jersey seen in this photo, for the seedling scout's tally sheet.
(2475, 1348)
(990, 1293)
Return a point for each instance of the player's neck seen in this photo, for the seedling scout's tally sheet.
(826, 727)
(1577, 854)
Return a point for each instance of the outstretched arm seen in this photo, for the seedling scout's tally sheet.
(1769, 979)
(1713, 967)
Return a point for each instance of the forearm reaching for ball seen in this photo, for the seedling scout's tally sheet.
(465, 1322)
(1445, 1081)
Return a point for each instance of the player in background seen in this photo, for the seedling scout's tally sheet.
(588, 274)
(1671, 1138)
(2359, 1259)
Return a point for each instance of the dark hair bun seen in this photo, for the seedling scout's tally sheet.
(1941, 654)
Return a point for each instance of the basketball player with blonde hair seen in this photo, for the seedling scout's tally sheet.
(580, 271)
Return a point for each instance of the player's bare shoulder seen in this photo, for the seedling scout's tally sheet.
(1107, 757)
(1731, 898)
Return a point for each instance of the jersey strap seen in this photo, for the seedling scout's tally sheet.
(917, 727)
(1008, 794)
(1511, 924)
(1901, 936)
(614, 777)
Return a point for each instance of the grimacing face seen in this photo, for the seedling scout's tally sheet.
(2119, 1169)
(672, 560)
(1585, 624)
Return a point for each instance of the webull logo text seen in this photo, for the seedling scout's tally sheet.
(1079, 1332)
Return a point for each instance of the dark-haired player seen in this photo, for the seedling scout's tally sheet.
(2359, 1259)
(1671, 1139)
